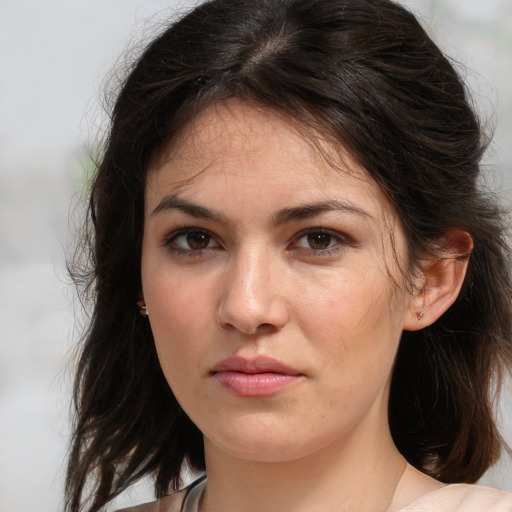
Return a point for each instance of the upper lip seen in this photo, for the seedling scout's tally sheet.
(259, 364)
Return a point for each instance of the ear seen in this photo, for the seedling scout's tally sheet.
(439, 281)
(141, 303)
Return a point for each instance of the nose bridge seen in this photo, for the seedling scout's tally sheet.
(250, 296)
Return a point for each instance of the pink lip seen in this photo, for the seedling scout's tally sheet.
(257, 377)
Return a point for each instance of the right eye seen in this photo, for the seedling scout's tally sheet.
(189, 240)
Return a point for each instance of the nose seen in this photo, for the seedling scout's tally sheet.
(252, 301)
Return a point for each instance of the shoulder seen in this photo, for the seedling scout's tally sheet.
(171, 503)
(462, 498)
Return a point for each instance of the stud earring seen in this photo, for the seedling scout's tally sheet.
(143, 309)
(420, 316)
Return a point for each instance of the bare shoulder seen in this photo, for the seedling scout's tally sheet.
(171, 503)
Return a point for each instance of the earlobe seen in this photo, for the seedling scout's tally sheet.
(440, 281)
(143, 309)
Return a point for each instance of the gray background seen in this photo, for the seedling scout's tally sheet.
(53, 57)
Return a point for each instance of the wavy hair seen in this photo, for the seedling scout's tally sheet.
(366, 73)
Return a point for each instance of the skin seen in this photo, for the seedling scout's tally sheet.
(233, 263)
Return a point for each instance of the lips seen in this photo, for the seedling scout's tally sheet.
(257, 377)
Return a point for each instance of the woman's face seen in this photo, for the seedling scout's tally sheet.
(271, 284)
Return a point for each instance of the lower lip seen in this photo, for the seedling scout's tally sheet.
(255, 384)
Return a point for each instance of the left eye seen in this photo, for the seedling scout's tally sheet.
(191, 241)
(318, 240)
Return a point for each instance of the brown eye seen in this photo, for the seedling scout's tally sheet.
(319, 240)
(197, 241)
(190, 241)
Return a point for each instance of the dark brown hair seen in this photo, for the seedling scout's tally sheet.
(365, 72)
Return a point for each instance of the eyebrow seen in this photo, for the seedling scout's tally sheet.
(173, 202)
(283, 216)
(311, 210)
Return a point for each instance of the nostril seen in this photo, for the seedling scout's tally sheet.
(267, 328)
(250, 302)
(251, 323)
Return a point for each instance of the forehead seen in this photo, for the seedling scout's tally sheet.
(233, 144)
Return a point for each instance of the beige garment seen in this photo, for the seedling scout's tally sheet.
(462, 498)
(450, 498)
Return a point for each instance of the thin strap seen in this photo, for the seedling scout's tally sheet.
(194, 495)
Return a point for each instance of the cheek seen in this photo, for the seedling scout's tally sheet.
(176, 311)
(355, 321)
(181, 314)
(351, 303)
(175, 299)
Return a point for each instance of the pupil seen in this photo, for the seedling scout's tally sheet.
(198, 240)
(319, 240)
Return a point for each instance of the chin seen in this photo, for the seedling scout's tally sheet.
(263, 452)
(269, 445)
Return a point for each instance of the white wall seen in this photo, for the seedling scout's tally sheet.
(53, 56)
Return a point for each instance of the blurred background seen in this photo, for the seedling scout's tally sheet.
(54, 56)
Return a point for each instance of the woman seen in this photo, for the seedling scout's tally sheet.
(289, 192)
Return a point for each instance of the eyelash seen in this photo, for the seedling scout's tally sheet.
(340, 242)
(169, 240)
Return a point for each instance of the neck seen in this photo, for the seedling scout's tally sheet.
(360, 472)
